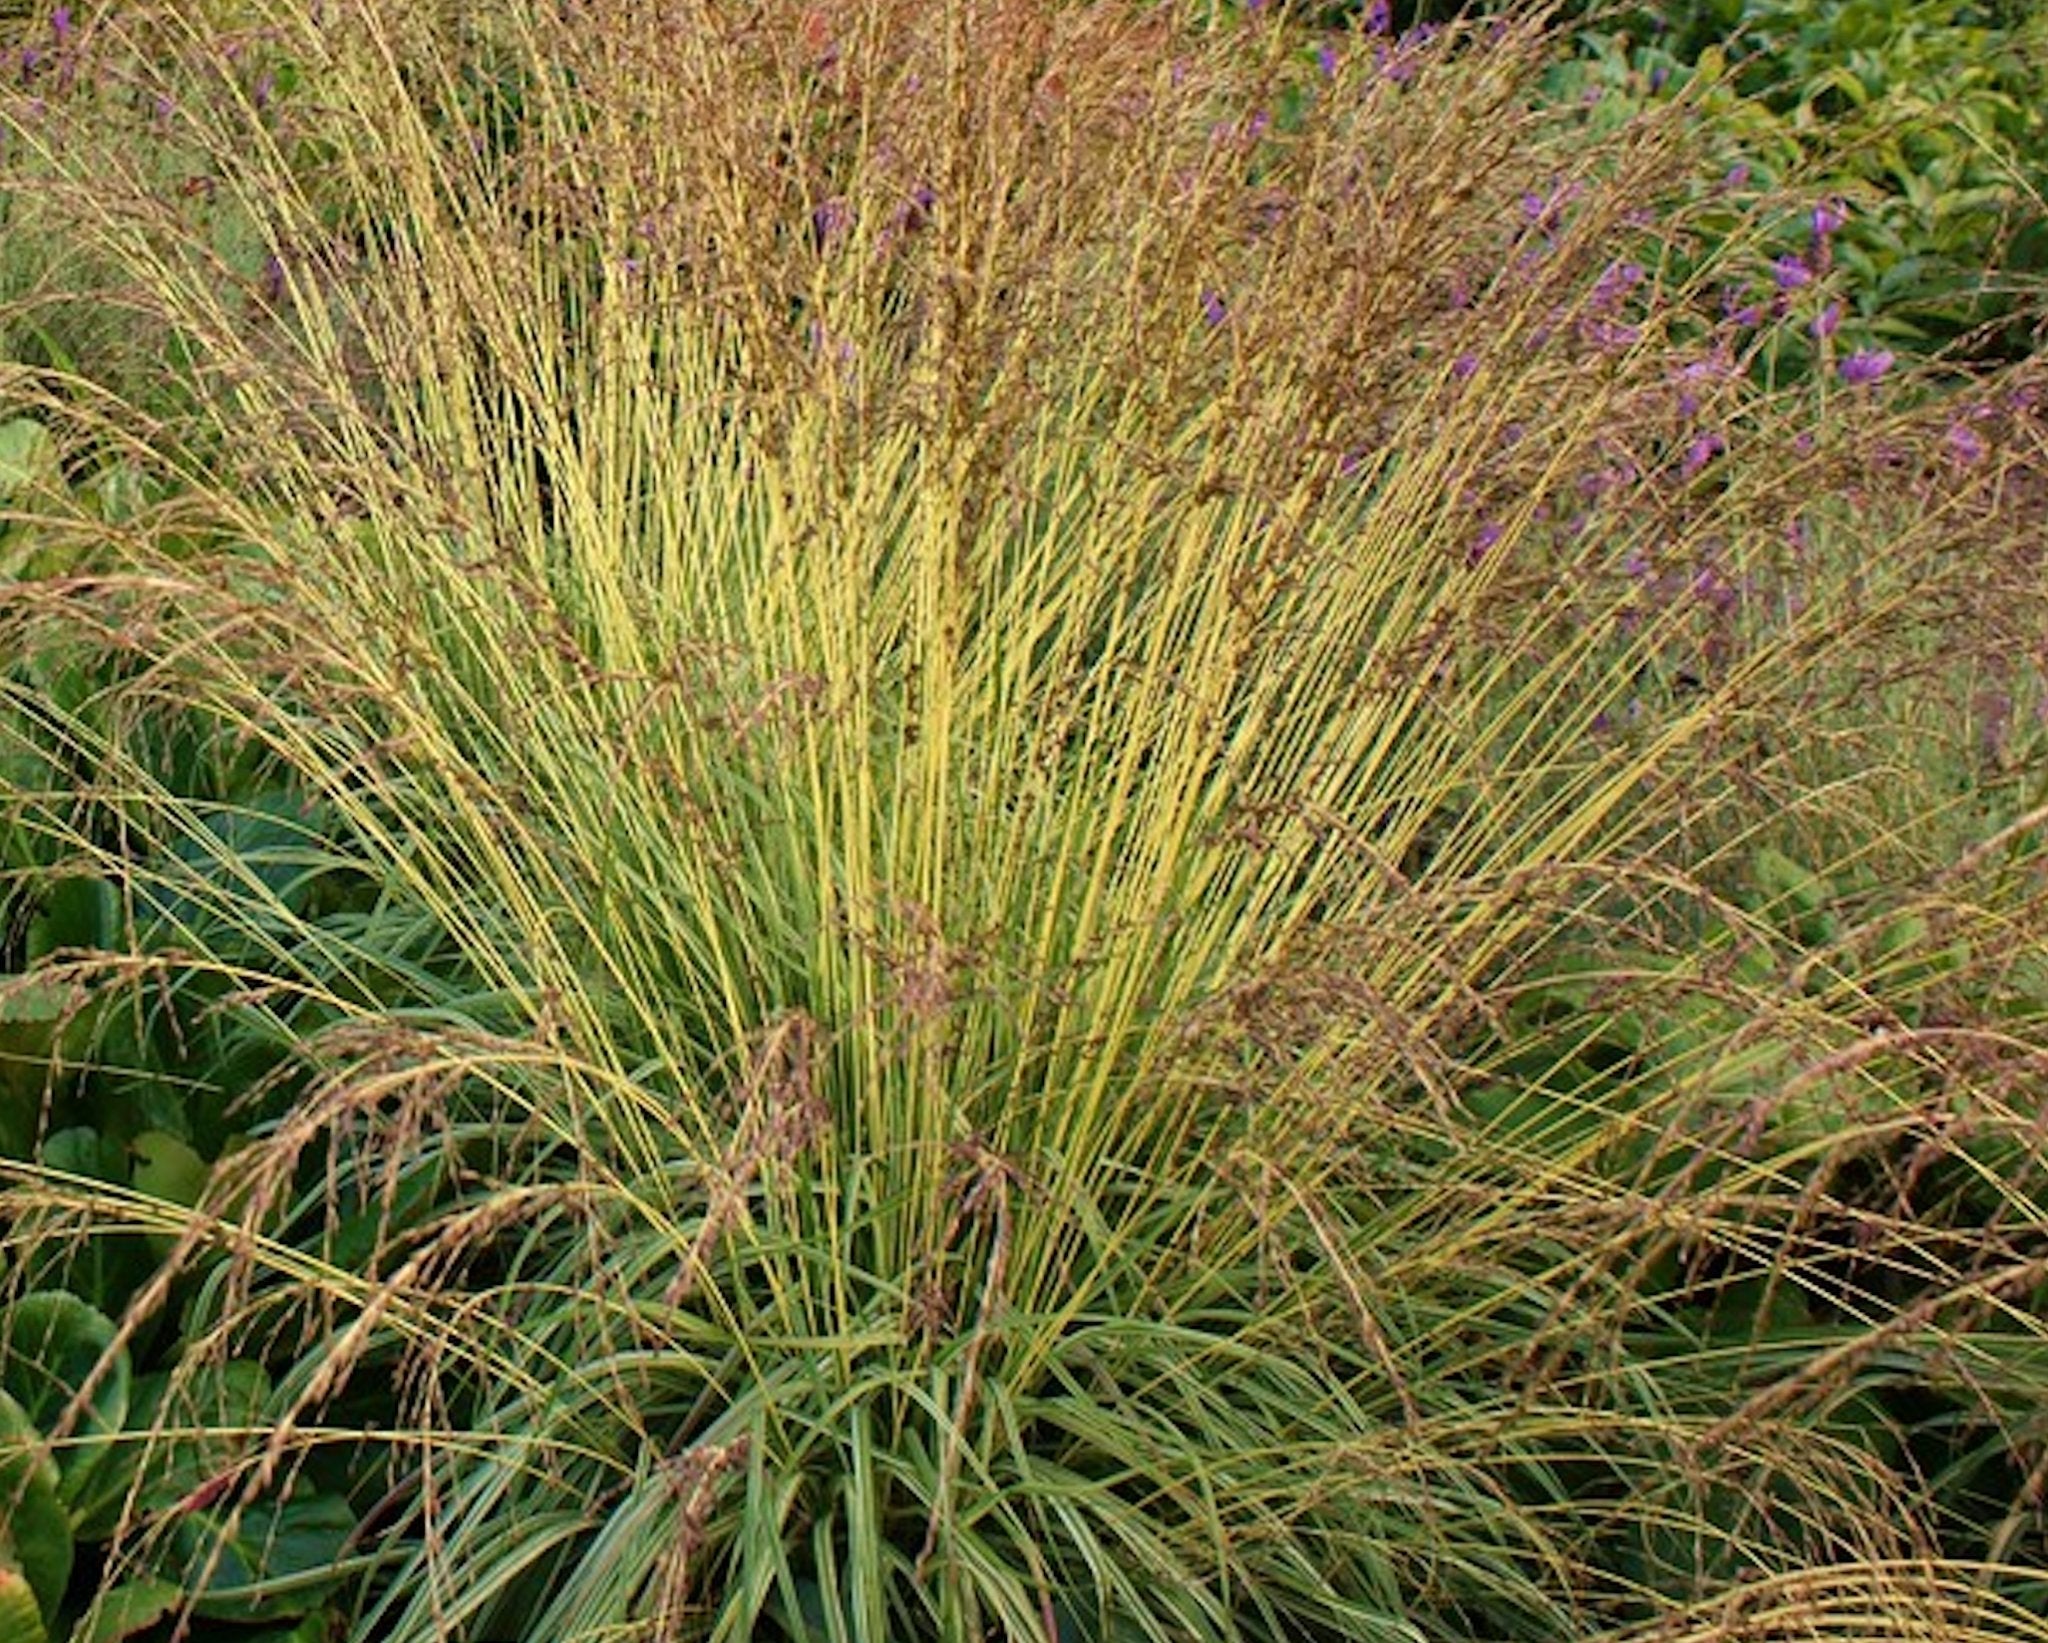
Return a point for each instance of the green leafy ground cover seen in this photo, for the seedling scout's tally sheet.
(979, 821)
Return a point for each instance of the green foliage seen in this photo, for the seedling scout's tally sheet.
(87, 1449)
(1924, 119)
(35, 1542)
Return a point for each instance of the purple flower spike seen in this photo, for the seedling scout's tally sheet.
(1791, 272)
(1735, 176)
(1489, 533)
(1326, 60)
(1828, 216)
(1464, 365)
(1700, 452)
(1615, 282)
(1865, 366)
(1825, 322)
(1214, 309)
(1613, 337)
(1736, 310)
(60, 24)
(1379, 17)
(1965, 444)
(830, 221)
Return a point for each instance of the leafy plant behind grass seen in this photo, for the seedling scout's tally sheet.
(1922, 121)
(989, 711)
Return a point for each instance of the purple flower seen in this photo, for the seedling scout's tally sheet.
(1379, 17)
(1965, 444)
(1711, 588)
(1326, 60)
(1735, 309)
(1736, 175)
(1213, 307)
(60, 24)
(1615, 282)
(1825, 322)
(1464, 365)
(1700, 452)
(830, 220)
(1598, 482)
(1791, 272)
(1483, 540)
(1865, 366)
(1689, 376)
(1611, 336)
(1828, 216)
(1658, 76)
(915, 212)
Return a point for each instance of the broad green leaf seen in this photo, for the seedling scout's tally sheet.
(77, 912)
(32, 1000)
(20, 1619)
(82, 1150)
(167, 1168)
(125, 1610)
(27, 454)
(31, 1010)
(51, 1345)
(121, 493)
(34, 1533)
(183, 1430)
(273, 1561)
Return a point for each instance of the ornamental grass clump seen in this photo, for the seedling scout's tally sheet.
(935, 821)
